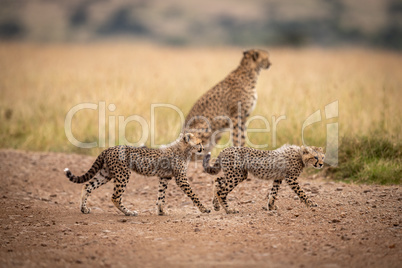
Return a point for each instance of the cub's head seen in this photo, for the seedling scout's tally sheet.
(190, 140)
(256, 59)
(313, 156)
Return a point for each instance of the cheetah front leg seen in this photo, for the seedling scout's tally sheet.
(182, 182)
(99, 180)
(292, 181)
(272, 196)
(163, 183)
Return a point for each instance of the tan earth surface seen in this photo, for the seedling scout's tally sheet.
(42, 226)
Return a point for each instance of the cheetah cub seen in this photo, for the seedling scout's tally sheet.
(286, 163)
(116, 163)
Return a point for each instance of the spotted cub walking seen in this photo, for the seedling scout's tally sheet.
(286, 163)
(116, 162)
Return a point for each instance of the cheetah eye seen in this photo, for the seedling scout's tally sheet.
(316, 158)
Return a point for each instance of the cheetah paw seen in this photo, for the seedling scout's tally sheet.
(205, 210)
(232, 211)
(162, 213)
(85, 210)
(131, 213)
(216, 205)
(311, 204)
(273, 207)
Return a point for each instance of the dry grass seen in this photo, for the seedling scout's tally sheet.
(41, 83)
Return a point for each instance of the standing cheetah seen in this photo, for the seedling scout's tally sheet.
(229, 103)
(285, 163)
(116, 162)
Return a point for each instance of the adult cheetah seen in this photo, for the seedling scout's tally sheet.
(285, 163)
(229, 103)
(116, 162)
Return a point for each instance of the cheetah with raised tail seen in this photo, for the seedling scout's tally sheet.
(116, 162)
(229, 103)
(285, 163)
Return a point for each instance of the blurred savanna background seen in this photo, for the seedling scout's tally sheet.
(126, 56)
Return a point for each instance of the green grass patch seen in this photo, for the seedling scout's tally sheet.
(371, 160)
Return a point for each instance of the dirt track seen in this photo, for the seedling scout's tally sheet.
(41, 224)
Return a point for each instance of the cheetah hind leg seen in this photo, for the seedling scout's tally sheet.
(221, 194)
(215, 201)
(224, 204)
(273, 195)
(99, 180)
(118, 191)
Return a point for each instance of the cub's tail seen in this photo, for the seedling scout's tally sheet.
(213, 170)
(96, 166)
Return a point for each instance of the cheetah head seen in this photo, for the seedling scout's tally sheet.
(190, 140)
(313, 156)
(256, 58)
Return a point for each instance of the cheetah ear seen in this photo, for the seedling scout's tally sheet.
(255, 55)
(187, 137)
(320, 149)
(304, 149)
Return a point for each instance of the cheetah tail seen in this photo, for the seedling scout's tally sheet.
(213, 170)
(96, 166)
